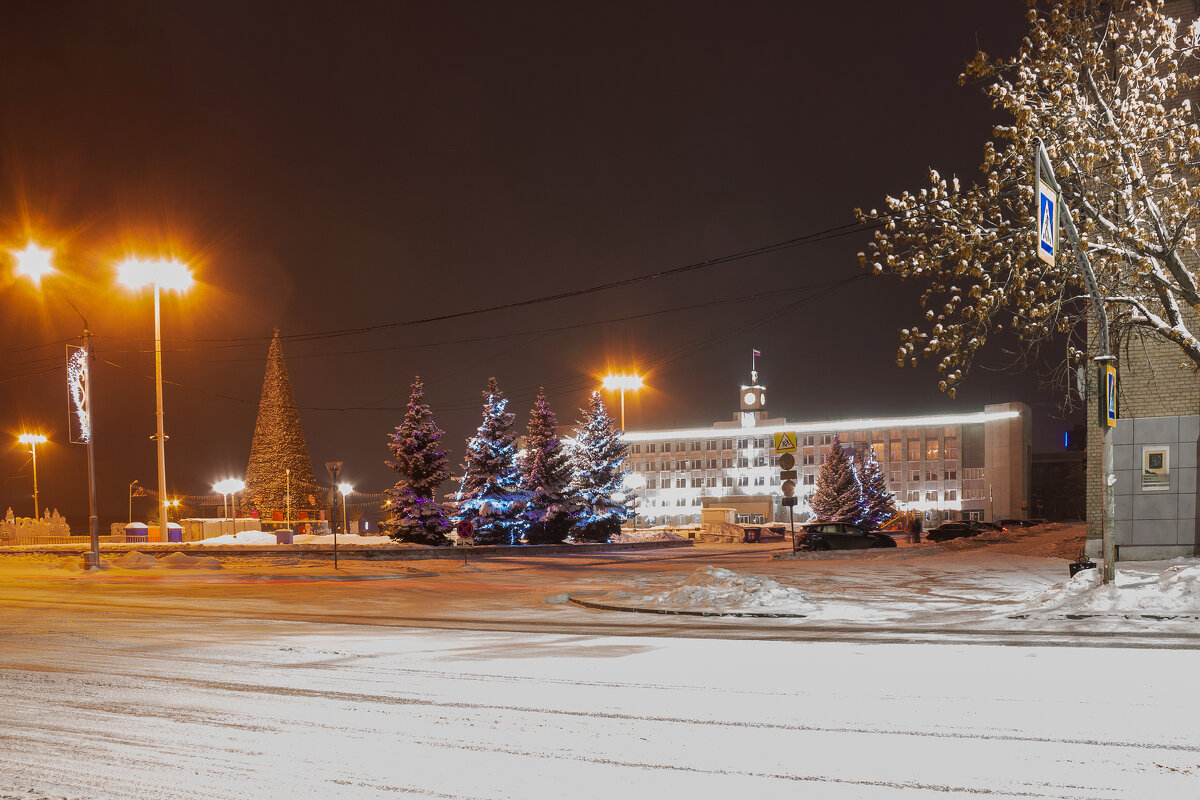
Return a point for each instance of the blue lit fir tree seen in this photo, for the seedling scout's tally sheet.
(598, 463)
(545, 475)
(877, 504)
(837, 496)
(490, 495)
(413, 513)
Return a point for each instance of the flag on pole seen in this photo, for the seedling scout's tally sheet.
(757, 353)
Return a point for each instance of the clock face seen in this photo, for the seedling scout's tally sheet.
(749, 398)
(763, 398)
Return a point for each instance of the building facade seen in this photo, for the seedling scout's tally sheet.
(941, 466)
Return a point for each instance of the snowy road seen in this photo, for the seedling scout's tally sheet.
(913, 678)
(99, 705)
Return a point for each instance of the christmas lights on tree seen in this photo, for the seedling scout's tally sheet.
(598, 462)
(545, 474)
(489, 496)
(413, 513)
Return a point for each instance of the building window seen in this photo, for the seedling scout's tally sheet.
(877, 449)
(760, 442)
(650, 447)
(951, 474)
(897, 452)
(681, 501)
(931, 475)
(912, 496)
(931, 494)
(951, 494)
(914, 452)
(809, 459)
(727, 444)
(727, 463)
(975, 473)
(809, 440)
(710, 482)
(743, 462)
(914, 433)
(697, 483)
(651, 483)
(697, 445)
(637, 448)
(727, 480)
(743, 480)
(951, 451)
(914, 476)
(743, 444)
(760, 480)
(826, 438)
(697, 463)
(895, 476)
(711, 444)
(809, 480)
(681, 483)
(712, 463)
(931, 451)
(760, 461)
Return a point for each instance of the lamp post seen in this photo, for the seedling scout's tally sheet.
(228, 487)
(344, 489)
(620, 383)
(135, 483)
(35, 262)
(33, 440)
(160, 274)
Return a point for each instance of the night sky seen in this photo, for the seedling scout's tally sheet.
(344, 171)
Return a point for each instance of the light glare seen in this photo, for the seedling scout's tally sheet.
(34, 262)
(229, 486)
(32, 438)
(345, 488)
(623, 381)
(167, 273)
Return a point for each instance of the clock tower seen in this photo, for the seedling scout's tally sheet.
(754, 396)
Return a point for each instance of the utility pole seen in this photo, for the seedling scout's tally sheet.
(1048, 211)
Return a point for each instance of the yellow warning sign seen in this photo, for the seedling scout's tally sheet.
(785, 442)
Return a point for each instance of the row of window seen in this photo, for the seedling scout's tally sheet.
(712, 483)
(931, 495)
(856, 439)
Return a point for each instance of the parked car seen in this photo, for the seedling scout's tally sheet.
(952, 530)
(1021, 523)
(984, 527)
(839, 536)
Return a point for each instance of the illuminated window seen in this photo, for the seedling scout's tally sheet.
(931, 451)
(914, 452)
(897, 452)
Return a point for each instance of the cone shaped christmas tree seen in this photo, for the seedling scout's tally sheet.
(278, 447)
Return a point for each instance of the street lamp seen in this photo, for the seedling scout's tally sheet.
(135, 483)
(162, 274)
(227, 487)
(620, 383)
(345, 489)
(33, 440)
(35, 262)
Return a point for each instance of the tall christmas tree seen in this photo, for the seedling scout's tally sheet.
(877, 504)
(490, 495)
(278, 447)
(545, 474)
(836, 498)
(413, 515)
(598, 461)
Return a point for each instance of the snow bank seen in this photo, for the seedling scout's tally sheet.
(648, 536)
(1174, 591)
(241, 538)
(720, 590)
(136, 560)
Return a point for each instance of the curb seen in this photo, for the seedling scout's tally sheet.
(350, 551)
(606, 607)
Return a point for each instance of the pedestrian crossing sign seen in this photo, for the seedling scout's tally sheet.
(1047, 221)
(785, 442)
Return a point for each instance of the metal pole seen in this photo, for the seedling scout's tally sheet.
(33, 450)
(163, 516)
(622, 409)
(792, 525)
(1109, 503)
(333, 522)
(93, 517)
(233, 507)
(345, 525)
(288, 497)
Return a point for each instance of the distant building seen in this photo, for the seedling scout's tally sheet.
(943, 466)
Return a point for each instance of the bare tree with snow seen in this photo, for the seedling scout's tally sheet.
(1106, 85)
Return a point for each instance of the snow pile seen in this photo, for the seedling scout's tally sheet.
(344, 538)
(720, 590)
(242, 538)
(135, 560)
(653, 535)
(1173, 592)
(183, 560)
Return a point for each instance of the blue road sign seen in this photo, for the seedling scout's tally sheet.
(1047, 222)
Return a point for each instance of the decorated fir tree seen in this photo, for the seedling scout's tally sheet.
(836, 498)
(877, 504)
(490, 495)
(413, 513)
(545, 474)
(278, 447)
(598, 465)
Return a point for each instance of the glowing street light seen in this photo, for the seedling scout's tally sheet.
(344, 489)
(33, 440)
(227, 487)
(162, 274)
(34, 262)
(620, 383)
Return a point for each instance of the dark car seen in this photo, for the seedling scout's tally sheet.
(984, 527)
(952, 530)
(839, 536)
